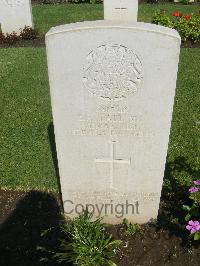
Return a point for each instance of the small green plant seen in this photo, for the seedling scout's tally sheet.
(2, 38)
(11, 38)
(185, 2)
(160, 18)
(193, 211)
(87, 243)
(130, 228)
(28, 33)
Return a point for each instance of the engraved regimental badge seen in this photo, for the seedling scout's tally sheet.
(112, 72)
(13, 3)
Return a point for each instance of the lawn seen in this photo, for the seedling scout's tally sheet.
(25, 123)
(47, 16)
(25, 116)
(26, 160)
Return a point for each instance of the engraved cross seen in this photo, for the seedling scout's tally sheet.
(112, 160)
(120, 9)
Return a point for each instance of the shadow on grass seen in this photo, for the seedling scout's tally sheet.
(174, 196)
(22, 232)
(52, 143)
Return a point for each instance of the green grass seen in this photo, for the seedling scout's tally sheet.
(146, 11)
(47, 16)
(184, 147)
(25, 154)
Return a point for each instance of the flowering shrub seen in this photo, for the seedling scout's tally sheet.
(193, 227)
(27, 33)
(2, 38)
(11, 38)
(187, 25)
(193, 211)
(160, 18)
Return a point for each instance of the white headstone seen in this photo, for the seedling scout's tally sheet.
(121, 10)
(112, 90)
(15, 15)
(178, 1)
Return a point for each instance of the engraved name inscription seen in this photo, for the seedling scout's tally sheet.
(108, 120)
(114, 195)
(13, 3)
(112, 72)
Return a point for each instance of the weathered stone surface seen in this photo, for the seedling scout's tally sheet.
(112, 90)
(121, 10)
(15, 15)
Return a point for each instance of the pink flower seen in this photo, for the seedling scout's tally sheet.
(197, 182)
(193, 189)
(193, 226)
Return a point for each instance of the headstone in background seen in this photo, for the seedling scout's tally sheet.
(121, 10)
(178, 1)
(15, 15)
(112, 90)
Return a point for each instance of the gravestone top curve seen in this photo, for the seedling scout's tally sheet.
(101, 24)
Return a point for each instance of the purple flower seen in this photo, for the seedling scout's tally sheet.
(193, 189)
(197, 182)
(193, 226)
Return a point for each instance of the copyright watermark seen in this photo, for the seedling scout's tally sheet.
(119, 210)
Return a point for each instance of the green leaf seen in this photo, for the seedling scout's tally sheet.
(186, 208)
(197, 236)
(187, 217)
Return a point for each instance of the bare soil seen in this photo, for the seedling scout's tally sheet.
(25, 216)
(39, 42)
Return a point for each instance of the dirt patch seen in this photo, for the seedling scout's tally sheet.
(156, 247)
(25, 217)
(189, 44)
(39, 42)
